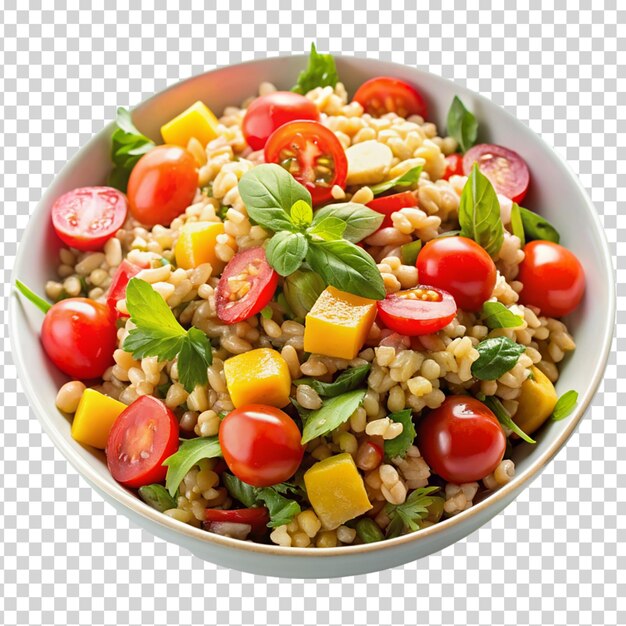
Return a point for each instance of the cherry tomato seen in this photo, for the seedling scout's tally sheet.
(462, 440)
(419, 311)
(454, 166)
(506, 170)
(117, 290)
(141, 438)
(85, 218)
(257, 518)
(267, 113)
(461, 267)
(246, 286)
(312, 154)
(261, 444)
(162, 185)
(553, 278)
(390, 204)
(384, 94)
(79, 335)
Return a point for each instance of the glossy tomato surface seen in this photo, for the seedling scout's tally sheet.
(79, 335)
(385, 94)
(553, 278)
(239, 300)
(419, 311)
(87, 217)
(312, 154)
(162, 185)
(267, 113)
(117, 290)
(462, 441)
(459, 266)
(261, 444)
(454, 166)
(141, 438)
(390, 204)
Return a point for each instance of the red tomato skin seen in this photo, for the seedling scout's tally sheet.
(382, 87)
(390, 204)
(553, 278)
(145, 413)
(79, 336)
(87, 217)
(459, 266)
(267, 113)
(462, 440)
(117, 290)
(454, 166)
(254, 516)
(162, 185)
(261, 444)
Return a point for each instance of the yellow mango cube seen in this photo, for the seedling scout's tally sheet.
(94, 418)
(336, 490)
(338, 324)
(259, 376)
(196, 245)
(537, 400)
(197, 121)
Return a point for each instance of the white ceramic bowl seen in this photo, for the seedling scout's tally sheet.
(554, 191)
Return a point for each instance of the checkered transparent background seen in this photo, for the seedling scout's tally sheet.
(553, 557)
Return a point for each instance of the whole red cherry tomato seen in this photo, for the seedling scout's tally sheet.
(385, 94)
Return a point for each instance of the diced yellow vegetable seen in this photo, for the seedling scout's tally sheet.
(259, 376)
(196, 245)
(338, 324)
(536, 402)
(336, 490)
(94, 417)
(197, 121)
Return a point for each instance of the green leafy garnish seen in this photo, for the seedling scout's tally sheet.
(409, 514)
(267, 312)
(334, 412)
(286, 251)
(537, 227)
(157, 497)
(360, 220)
(301, 289)
(159, 334)
(497, 356)
(301, 214)
(462, 125)
(479, 213)
(346, 381)
(368, 530)
(320, 72)
(496, 315)
(409, 252)
(190, 452)
(408, 180)
(328, 228)
(497, 408)
(565, 405)
(38, 301)
(517, 225)
(399, 446)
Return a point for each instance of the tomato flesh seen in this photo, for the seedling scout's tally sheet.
(162, 185)
(384, 94)
(390, 204)
(261, 444)
(246, 286)
(87, 217)
(454, 166)
(462, 440)
(553, 278)
(141, 438)
(312, 154)
(117, 290)
(419, 311)
(267, 113)
(459, 266)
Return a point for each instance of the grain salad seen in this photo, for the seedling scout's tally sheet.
(313, 321)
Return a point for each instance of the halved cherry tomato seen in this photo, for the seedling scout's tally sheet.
(553, 278)
(162, 185)
(390, 204)
(462, 440)
(267, 113)
(247, 284)
(461, 267)
(261, 444)
(257, 517)
(141, 438)
(312, 154)
(117, 290)
(419, 311)
(454, 166)
(384, 94)
(85, 218)
(505, 169)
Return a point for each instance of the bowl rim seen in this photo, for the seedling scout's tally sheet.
(504, 494)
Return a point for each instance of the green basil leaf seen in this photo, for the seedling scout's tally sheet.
(497, 356)
(462, 125)
(286, 251)
(346, 267)
(334, 412)
(409, 252)
(157, 497)
(497, 408)
(517, 225)
(479, 213)
(328, 228)
(346, 381)
(496, 315)
(400, 445)
(320, 72)
(190, 452)
(537, 227)
(243, 492)
(565, 405)
(408, 180)
(301, 213)
(360, 220)
(281, 510)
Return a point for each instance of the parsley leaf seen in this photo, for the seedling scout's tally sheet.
(320, 72)
(565, 405)
(409, 514)
(408, 180)
(496, 315)
(462, 125)
(400, 444)
(346, 381)
(190, 452)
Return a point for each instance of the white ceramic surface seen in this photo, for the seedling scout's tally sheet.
(554, 192)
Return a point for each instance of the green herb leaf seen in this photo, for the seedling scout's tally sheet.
(408, 180)
(360, 220)
(334, 412)
(497, 408)
(243, 492)
(462, 125)
(320, 72)
(497, 356)
(301, 289)
(286, 251)
(193, 359)
(301, 213)
(190, 452)
(409, 252)
(517, 225)
(368, 530)
(328, 229)
(411, 512)
(479, 213)
(399, 446)
(346, 267)
(267, 312)
(565, 405)
(38, 301)
(537, 227)
(157, 497)
(346, 381)
(496, 315)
